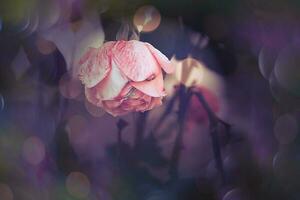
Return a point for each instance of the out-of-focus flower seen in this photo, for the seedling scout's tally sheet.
(192, 72)
(73, 39)
(124, 76)
(197, 112)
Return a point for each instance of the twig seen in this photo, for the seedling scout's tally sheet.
(213, 126)
(140, 129)
(121, 124)
(184, 97)
(167, 111)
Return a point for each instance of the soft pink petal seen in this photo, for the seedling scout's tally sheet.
(134, 60)
(91, 96)
(161, 59)
(116, 111)
(142, 108)
(153, 88)
(147, 98)
(110, 87)
(125, 92)
(112, 104)
(90, 52)
(95, 65)
(155, 102)
(136, 94)
(132, 103)
(113, 107)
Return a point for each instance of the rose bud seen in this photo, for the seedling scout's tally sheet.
(124, 76)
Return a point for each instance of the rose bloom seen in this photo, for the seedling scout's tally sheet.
(124, 76)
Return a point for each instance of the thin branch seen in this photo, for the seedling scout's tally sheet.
(121, 124)
(167, 111)
(213, 126)
(184, 98)
(140, 129)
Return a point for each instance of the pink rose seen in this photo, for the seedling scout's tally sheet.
(124, 76)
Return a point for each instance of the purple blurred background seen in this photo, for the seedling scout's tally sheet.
(55, 145)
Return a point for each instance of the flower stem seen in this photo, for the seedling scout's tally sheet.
(167, 111)
(119, 148)
(121, 124)
(213, 126)
(184, 97)
(140, 129)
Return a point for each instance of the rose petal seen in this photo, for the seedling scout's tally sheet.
(113, 107)
(147, 98)
(162, 60)
(95, 65)
(91, 96)
(111, 104)
(90, 52)
(153, 88)
(110, 87)
(132, 103)
(125, 92)
(154, 103)
(136, 94)
(143, 107)
(116, 112)
(135, 60)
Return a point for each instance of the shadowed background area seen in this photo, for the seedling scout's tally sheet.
(242, 56)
